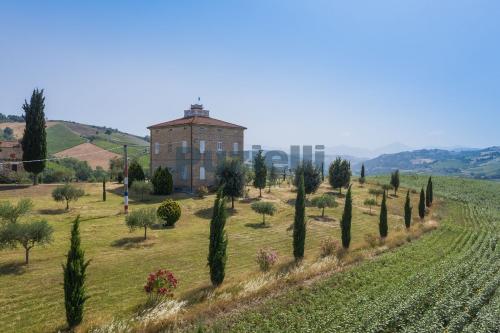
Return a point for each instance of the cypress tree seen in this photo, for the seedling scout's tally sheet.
(427, 195)
(382, 226)
(74, 278)
(362, 178)
(260, 170)
(431, 196)
(34, 140)
(408, 209)
(395, 181)
(345, 223)
(299, 224)
(345, 168)
(421, 204)
(104, 189)
(218, 241)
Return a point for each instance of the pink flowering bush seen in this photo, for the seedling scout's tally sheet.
(161, 283)
(266, 258)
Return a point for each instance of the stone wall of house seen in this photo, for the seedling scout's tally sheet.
(10, 152)
(167, 150)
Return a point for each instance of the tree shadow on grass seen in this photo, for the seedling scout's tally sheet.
(132, 243)
(249, 200)
(206, 213)
(13, 187)
(12, 268)
(53, 211)
(320, 218)
(258, 225)
(152, 198)
(291, 202)
(161, 226)
(368, 213)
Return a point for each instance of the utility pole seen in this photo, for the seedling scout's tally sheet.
(125, 179)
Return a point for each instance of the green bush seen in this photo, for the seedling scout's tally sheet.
(141, 188)
(162, 181)
(169, 211)
(135, 172)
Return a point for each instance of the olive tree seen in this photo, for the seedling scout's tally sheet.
(264, 208)
(376, 192)
(141, 218)
(370, 203)
(67, 193)
(12, 213)
(27, 234)
(324, 201)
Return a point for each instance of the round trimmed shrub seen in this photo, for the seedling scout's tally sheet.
(169, 211)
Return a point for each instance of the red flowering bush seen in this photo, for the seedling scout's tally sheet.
(161, 283)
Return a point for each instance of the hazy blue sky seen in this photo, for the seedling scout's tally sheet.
(360, 73)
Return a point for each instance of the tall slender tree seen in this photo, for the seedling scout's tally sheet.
(395, 181)
(432, 192)
(273, 176)
(427, 196)
(408, 209)
(345, 222)
(299, 224)
(431, 196)
(362, 178)
(260, 171)
(421, 204)
(428, 193)
(34, 140)
(345, 168)
(382, 226)
(74, 278)
(218, 241)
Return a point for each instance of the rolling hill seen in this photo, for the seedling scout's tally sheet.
(480, 163)
(86, 142)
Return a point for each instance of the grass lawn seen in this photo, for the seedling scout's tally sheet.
(59, 138)
(31, 298)
(449, 281)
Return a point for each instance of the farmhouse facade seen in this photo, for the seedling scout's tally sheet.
(191, 147)
(11, 153)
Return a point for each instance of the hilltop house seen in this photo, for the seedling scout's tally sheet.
(192, 146)
(11, 153)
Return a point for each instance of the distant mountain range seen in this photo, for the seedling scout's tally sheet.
(364, 153)
(475, 163)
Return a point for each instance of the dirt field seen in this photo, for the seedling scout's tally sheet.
(94, 155)
(18, 128)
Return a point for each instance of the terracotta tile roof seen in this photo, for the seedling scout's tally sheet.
(207, 121)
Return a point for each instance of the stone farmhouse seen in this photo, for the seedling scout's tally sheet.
(193, 146)
(11, 153)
